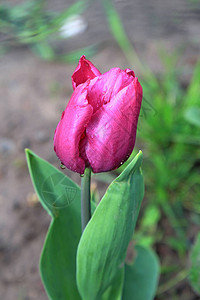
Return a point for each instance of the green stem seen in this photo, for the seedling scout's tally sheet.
(85, 198)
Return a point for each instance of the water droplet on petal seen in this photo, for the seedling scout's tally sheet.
(62, 166)
(107, 125)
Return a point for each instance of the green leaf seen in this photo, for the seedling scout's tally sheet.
(103, 245)
(192, 115)
(61, 198)
(114, 291)
(194, 276)
(193, 92)
(141, 278)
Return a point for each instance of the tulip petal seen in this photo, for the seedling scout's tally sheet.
(130, 72)
(103, 88)
(84, 71)
(71, 128)
(111, 131)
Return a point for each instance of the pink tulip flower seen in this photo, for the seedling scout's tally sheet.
(98, 127)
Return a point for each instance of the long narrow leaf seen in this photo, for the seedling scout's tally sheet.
(102, 248)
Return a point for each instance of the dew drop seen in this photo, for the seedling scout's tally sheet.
(62, 166)
(107, 125)
(82, 175)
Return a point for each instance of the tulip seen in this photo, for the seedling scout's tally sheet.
(97, 130)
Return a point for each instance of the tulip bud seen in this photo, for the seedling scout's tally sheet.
(98, 127)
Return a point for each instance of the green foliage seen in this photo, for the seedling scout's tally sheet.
(172, 141)
(193, 92)
(102, 248)
(114, 291)
(148, 232)
(194, 275)
(32, 25)
(141, 277)
(192, 115)
(103, 245)
(170, 137)
(61, 198)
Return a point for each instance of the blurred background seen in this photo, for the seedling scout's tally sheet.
(40, 44)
